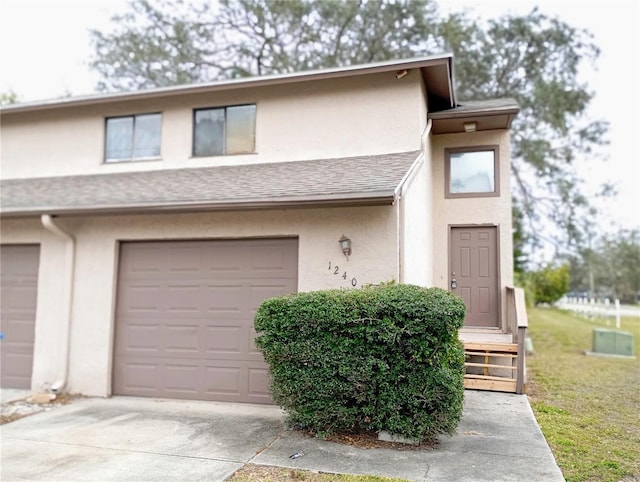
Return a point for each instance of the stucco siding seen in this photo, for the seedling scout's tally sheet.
(416, 229)
(472, 210)
(296, 121)
(49, 345)
(371, 229)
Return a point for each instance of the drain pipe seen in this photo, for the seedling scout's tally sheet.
(67, 299)
(399, 194)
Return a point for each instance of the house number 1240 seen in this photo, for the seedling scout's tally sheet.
(335, 269)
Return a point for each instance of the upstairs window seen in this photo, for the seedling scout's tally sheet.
(472, 172)
(133, 137)
(224, 130)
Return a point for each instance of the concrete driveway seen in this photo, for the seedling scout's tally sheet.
(137, 439)
(126, 439)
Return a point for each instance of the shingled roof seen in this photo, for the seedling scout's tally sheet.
(362, 180)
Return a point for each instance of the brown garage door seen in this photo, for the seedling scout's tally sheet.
(18, 299)
(184, 318)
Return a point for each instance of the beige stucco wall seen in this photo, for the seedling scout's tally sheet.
(415, 227)
(50, 318)
(470, 211)
(362, 115)
(371, 229)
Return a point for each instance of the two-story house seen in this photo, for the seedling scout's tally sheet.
(141, 230)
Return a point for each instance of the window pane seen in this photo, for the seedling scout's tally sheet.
(208, 135)
(119, 142)
(147, 136)
(472, 172)
(241, 129)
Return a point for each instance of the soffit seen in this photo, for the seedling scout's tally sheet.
(486, 114)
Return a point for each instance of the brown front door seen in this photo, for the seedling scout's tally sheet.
(18, 300)
(473, 273)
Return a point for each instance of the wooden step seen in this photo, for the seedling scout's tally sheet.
(491, 366)
(493, 336)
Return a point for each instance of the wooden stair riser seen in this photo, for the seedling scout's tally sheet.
(491, 366)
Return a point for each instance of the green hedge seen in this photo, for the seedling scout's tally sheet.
(385, 357)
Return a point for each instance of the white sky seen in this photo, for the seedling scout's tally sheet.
(44, 52)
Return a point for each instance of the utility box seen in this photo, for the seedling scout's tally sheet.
(612, 342)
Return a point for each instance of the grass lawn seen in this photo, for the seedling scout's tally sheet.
(256, 473)
(588, 407)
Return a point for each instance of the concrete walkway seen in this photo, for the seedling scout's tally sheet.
(138, 439)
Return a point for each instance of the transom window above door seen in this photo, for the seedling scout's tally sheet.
(224, 130)
(472, 172)
(133, 137)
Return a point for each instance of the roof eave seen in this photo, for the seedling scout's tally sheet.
(249, 82)
(483, 119)
(357, 199)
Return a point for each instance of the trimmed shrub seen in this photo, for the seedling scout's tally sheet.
(385, 357)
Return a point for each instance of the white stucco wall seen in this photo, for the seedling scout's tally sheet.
(50, 318)
(362, 115)
(416, 220)
(415, 226)
(371, 229)
(472, 210)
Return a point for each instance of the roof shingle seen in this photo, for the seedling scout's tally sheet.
(363, 179)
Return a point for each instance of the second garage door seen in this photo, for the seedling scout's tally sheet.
(184, 318)
(18, 300)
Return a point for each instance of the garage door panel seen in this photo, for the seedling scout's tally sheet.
(141, 337)
(224, 297)
(19, 330)
(259, 382)
(142, 260)
(140, 298)
(18, 302)
(225, 378)
(185, 297)
(225, 259)
(182, 339)
(223, 341)
(20, 298)
(137, 377)
(259, 292)
(195, 326)
(271, 260)
(184, 259)
(183, 378)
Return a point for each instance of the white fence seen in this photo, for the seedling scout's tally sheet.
(602, 309)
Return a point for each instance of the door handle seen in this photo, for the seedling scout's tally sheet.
(454, 284)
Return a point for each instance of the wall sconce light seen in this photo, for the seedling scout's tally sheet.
(345, 245)
(470, 126)
(401, 73)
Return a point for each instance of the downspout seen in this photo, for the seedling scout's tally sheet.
(67, 299)
(398, 196)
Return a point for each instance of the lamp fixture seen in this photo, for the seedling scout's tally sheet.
(401, 73)
(345, 245)
(470, 126)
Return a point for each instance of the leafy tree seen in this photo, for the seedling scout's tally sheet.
(7, 98)
(550, 283)
(609, 268)
(532, 58)
(168, 42)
